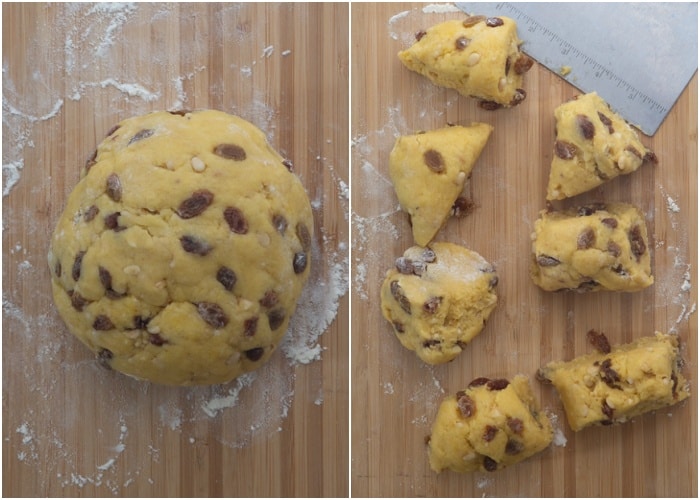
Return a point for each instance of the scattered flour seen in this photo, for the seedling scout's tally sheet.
(267, 51)
(440, 8)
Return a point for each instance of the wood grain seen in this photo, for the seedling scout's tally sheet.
(395, 395)
(69, 73)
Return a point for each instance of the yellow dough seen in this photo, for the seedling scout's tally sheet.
(617, 384)
(593, 247)
(479, 57)
(182, 251)
(488, 426)
(429, 170)
(438, 299)
(593, 145)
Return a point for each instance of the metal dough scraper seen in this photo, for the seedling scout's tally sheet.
(637, 56)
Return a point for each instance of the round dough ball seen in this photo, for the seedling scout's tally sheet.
(182, 251)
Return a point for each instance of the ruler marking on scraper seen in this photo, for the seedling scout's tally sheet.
(654, 45)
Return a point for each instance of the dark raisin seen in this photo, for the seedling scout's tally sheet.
(58, 269)
(497, 384)
(192, 244)
(250, 326)
(565, 150)
(227, 277)
(102, 323)
(518, 97)
(304, 236)
(634, 151)
(400, 297)
(420, 34)
(255, 353)
(112, 222)
(599, 341)
(77, 301)
(428, 255)
(614, 249)
(472, 20)
(494, 22)
(141, 322)
(586, 239)
(489, 105)
(590, 209)
(619, 269)
(610, 222)
(230, 152)
(508, 65)
(547, 261)
(465, 404)
(490, 464)
(288, 164)
(637, 244)
(514, 447)
(650, 157)
(608, 412)
(515, 424)
(608, 375)
(275, 318)
(462, 42)
(398, 326)
(104, 356)
(77, 265)
(587, 285)
(236, 220)
(433, 159)
(280, 223)
(462, 207)
(299, 262)
(105, 277)
(195, 204)
(427, 344)
(156, 339)
(489, 433)
(478, 382)
(404, 265)
(91, 213)
(419, 267)
(607, 122)
(212, 314)
(141, 134)
(585, 126)
(431, 305)
(522, 64)
(270, 299)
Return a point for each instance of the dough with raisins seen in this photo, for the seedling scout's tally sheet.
(491, 424)
(437, 299)
(593, 145)
(429, 171)
(616, 384)
(593, 247)
(182, 250)
(479, 57)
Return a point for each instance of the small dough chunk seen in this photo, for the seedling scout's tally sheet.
(593, 247)
(491, 424)
(429, 171)
(593, 145)
(616, 384)
(183, 249)
(479, 57)
(438, 299)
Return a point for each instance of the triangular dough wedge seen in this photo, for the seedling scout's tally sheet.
(429, 170)
(593, 145)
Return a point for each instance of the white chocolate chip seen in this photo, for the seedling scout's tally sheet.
(132, 270)
(502, 84)
(197, 164)
(264, 239)
(473, 58)
(153, 329)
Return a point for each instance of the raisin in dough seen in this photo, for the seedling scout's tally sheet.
(617, 384)
(183, 249)
(590, 248)
(429, 170)
(438, 298)
(479, 57)
(488, 426)
(593, 145)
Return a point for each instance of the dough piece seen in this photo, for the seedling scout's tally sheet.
(182, 251)
(617, 384)
(590, 248)
(488, 426)
(593, 145)
(438, 299)
(429, 170)
(479, 57)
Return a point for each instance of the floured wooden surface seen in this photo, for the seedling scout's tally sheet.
(70, 72)
(395, 396)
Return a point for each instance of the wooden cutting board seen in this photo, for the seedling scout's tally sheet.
(70, 72)
(395, 395)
